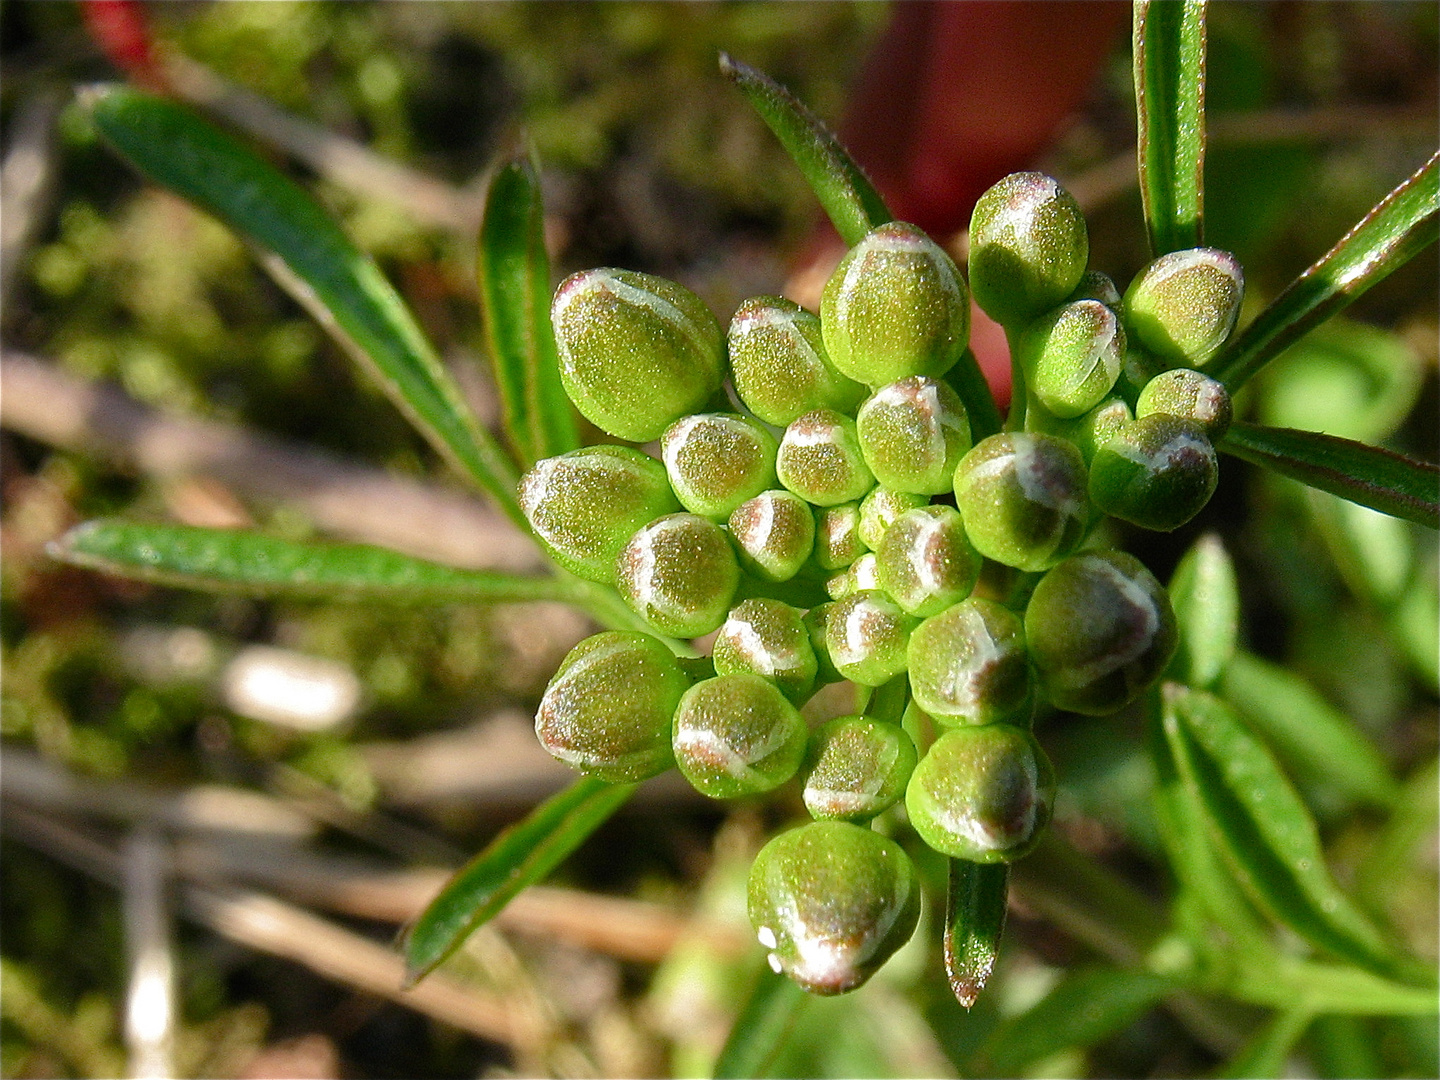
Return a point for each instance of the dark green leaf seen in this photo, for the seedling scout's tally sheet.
(1402, 225)
(1322, 743)
(1369, 475)
(845, 193)
(1265, 832)
(1169, 58)
(514, 276)
(230, 560)
(1206, 599)
(520, 856)
(1344, 1046)
(1088, 1005)
(761, 1028)
(310, 255)
(1265, 1054)
(974, 921)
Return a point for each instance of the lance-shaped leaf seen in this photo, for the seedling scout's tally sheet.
(1266, 1053)
(845, 193)
(1169, 58)
(514, 275)
(1265, 832)
(308, 253)
(974, 922)
(1400, 226)
(1206, 600)
(232, 560)
(762, 1027)
(520, 856)
(1369, 475)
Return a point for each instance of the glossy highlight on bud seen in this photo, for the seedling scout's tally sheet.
(1028, 248)
(857, 768)
(737, 735)
(680, 574)
(716, 461)
(1183, 305)
(968, 664)
(913, 432)
(1022, 496)
(779, 365)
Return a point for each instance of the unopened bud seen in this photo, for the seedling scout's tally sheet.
(913, 433)
(867, 635)
(779, 365)
(1028, 248)
(968, 665)
(774, 534)
(767, 638)
(837, 536)
(858, 768)
(679, 573)
(1158, 472)
(736, 735)
(1189, 395)
(716, 461)
(1072, 356)
(1183, 305)
(1022, 496)
(926, 562)
(878, 512)
(820, 459)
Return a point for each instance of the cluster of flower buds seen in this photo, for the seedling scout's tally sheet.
(830, 520)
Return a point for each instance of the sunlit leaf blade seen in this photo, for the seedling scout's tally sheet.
(1369, 475)
(1399, 227)
(845, 193)
(761, 1028)
(231, 560)
(1206, 599)
(519, 857)
(1169, 58)
(1265, 832)
(1323, 743)
(1266, 1053)
(974, 922)
(309, 253)
(514, 275)
(1088, 1005)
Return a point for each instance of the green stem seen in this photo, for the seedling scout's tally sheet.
(887, 703)
(1015, 421)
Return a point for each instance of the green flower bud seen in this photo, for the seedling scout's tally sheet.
(1028, 248)
(816, 620)
(768, 638)
(982, 793)
(880, 508)
(774, 533)
(820, 459)
(857, 768)
(779, 365)
(857, 577)
(867, 634)
(1089, 431)
(716, 461)
(586, 504)
(1183, 305)
(1072, 356)
(1191, 396)
(968, 665)
(607, 710)
(913, 433)
(926, 562)
(679, 573)
(832, 902)
(1158, 473)
(895, 306)
(737, 735)
(1022, 496)
(1100, 630)
(636, 352)
(1097, 286)
(837, 536)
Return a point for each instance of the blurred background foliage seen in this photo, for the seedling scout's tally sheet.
(651, 162)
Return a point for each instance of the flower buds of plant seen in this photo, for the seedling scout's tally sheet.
(857, 768)
(832, 901)
(982, 793)
(767, 638)
(774, 534)
(837, 536)
(866, 635)
(913, 433)
(716, 461)
(1028, 248)
(607, 710)
(1022, 496)
(820, 459)
(679, 573)
(586, 504)
(636, 352)
(880, 509)
(1100, 631)
(968, 665)
(1189, 395)
(926, 562)
(779, 366)
(1183, 305)
(737, 735)
(895, 306)
(1158, 472)
(1072, 356)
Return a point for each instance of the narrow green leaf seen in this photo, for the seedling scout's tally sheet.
(312, 257)
(1265, 1054)
(1328, 988)
(1169, 58)
(974, 922)
(1088, 1005)
(845, 193)
(1369, 475)
(1344, 1046)
(761, 1028)
(1319, 741)
(1206, 599)
(1265, 832)
(520, 856)
(1399, 227)
(514, 275)
(230, 560)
